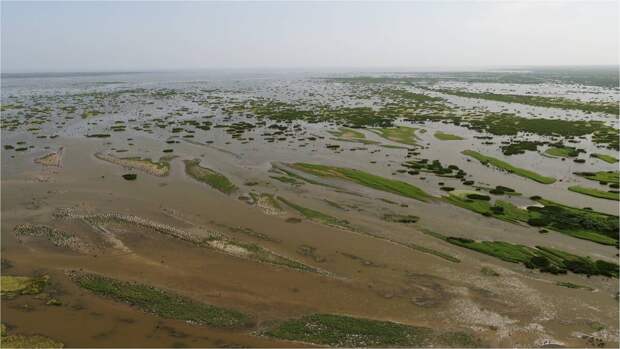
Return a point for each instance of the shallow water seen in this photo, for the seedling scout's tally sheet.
(520, 308)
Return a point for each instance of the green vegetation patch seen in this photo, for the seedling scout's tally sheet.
(505, 124)
(603, 177)
(580, 223)
(401, 218)
(346, 331)
(12, 286)
(316, 215)
(160, 302)
(29, 341)
(365, 179)
(399, 134)
(209, 176)
(488, 160)
(540, 101)
(130, 176)
(519, 147)
(350, 135)
(607, 158)
(414, 167)
(608, 195)
(447, 136)
(563, 151)
(547, 260)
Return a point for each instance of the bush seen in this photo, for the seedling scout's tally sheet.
(537, 222)
(130, 176)
(478, 197)
(497, 209)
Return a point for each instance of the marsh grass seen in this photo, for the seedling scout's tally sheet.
(12, 286)
(447, 136)
(399, 134)
(346, 331)
(365, 179)
(541, 101)
(579, 223)
(502, 165)
(547, 260)
(316, 215)
(160, 302)
(607, 195)
(206, 175)
(607, 158)
(603, 177)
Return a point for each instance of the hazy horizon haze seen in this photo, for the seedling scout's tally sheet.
(147, 36)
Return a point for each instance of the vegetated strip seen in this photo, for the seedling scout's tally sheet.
(485, 160)
(607, 195)
(206, 175)
(160, 168)
(603, 177)
(540, 101)
(347, 331)
(316, 215)
(160, 302)
(607, 158)
(447, 136)
(365, 179)
(329, 220)
(545, 259)
(580, 223)
(399, 134)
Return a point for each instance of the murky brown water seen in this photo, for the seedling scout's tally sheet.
(518, 308)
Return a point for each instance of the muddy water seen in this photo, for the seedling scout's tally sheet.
(368, 276)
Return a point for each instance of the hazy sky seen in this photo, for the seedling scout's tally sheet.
(80, 36)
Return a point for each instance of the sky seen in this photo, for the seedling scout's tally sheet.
(138, 36)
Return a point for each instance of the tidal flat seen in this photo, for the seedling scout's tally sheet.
(413, 209)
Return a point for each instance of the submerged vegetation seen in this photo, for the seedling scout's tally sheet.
(346, 331)
(365, 179)
(160, 302)
(607, 158)
(351, 135)
(400, 134)
(563, 151)
(160, 168)
(603, 177)
(206, 175)
(269, 143)
(502, 165)
(12, 286)
(27, 341)
(540, 101)
(447, 136)
(608, 195)
(317, 216)
(580, 223)
(547, 260)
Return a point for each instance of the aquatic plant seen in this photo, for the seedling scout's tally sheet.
(161, 302)
(547, 260)
(206, 175)
(447, 136)
(346, 331)
(542, 101)
(502, 165)
(608, 195)
(365, 179)
(12, 286)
